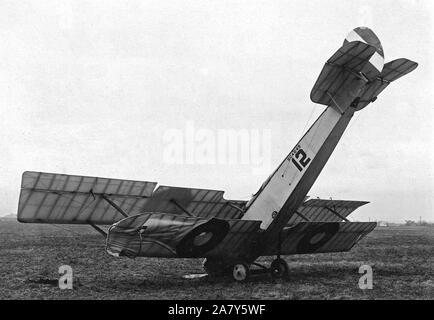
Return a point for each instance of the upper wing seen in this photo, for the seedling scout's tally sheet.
(315, 210)
(319, 237)
(196, 202)
(60, 198)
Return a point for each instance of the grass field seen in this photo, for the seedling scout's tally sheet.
(402, 259)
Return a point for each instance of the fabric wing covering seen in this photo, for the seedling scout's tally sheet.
(69, 199)
(172, 214)
(319, 210)
(321, 237)
(149, 234)
(60, 198)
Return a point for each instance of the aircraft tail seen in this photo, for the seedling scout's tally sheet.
(366, 35)
(345, 78)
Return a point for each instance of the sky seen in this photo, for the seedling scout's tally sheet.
(155, 91)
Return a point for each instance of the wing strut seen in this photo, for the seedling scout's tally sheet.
(114, 205)
(302, 216)
(104, 234)
(336, 104)
(235, 207)
(337, 214)
(182, 208)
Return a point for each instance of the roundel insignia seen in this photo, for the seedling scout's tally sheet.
(202, 238)
(317, 237)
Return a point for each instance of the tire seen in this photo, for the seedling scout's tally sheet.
(279, 269)
(240, 272)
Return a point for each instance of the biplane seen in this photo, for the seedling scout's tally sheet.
(150, 220)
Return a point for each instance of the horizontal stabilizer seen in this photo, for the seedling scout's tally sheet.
(395, 69)
(392, 71)
(342, 68)
(320, 237)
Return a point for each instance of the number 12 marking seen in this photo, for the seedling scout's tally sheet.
(300, 160)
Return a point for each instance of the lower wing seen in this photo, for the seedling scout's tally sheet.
(176, 236)
(320, 237)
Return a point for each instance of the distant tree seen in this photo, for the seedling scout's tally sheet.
(410, 223)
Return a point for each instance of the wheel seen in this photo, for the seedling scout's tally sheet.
(240, 272)
(279, 268)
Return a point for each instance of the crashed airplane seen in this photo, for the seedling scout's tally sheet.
(175, 222)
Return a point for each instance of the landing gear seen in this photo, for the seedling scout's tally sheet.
(240, 272)
(279, 268)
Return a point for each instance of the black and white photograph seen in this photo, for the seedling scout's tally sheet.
(216, 155)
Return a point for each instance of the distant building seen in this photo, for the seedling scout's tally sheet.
(9, 216)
